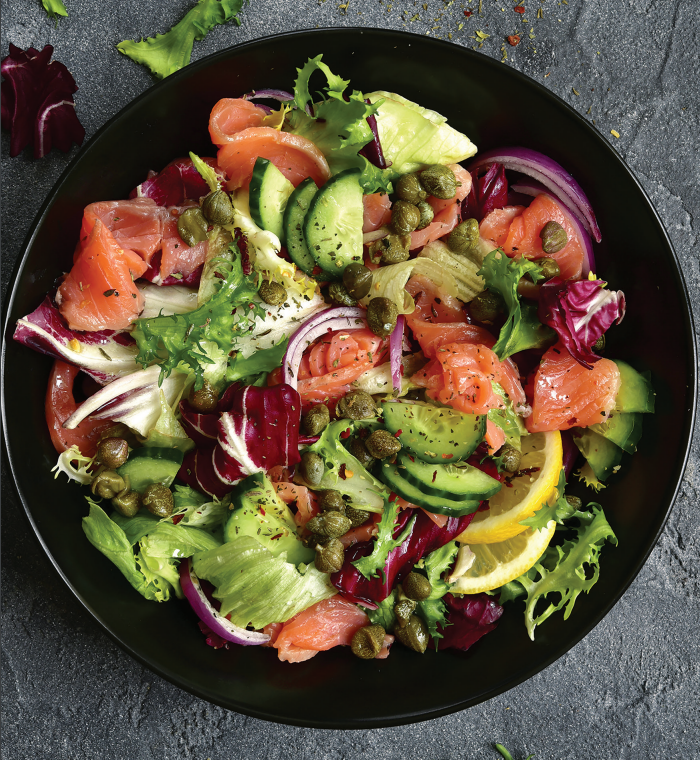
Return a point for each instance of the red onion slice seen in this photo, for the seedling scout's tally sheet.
(533, 188)
(328, 320)
(192, 590)
(551, 174)
(395, 352)
(281, 95)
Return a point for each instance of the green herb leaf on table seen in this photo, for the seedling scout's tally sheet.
(166, 53)
(506, 755)
(376, 561)
(54, 8)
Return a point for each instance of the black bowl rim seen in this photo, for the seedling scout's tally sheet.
(691, 348)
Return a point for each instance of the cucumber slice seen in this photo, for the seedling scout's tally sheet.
(293, 224)
(602, 455)
(392, 476)
(438, 435)
(151, 464)
(624, 430)
(448, 481)
(333, 224)
(269, 193)
(636, 393)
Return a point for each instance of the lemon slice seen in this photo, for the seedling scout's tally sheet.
(540, 451)
(497, 564)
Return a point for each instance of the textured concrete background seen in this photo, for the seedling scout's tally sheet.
(630, 689)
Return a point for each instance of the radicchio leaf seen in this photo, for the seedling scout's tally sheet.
(470, 617)
(178, 182)
(37, 102)
(580, 312)
(488, 192)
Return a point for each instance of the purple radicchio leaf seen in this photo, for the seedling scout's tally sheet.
(373, 151)
(580, 312)
(178, 182)
(37, 102)
(470, 617)
(488, 192)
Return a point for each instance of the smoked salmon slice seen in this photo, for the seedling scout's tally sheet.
(99, 292)
(567, 395)
(295, 156)
(178, 257)
(232, 115)
(376, 211)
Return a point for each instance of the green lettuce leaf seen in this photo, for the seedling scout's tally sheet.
(432, 609)
(180, 336)
(375, 562)
(258, 365)
(506, 419)
(206, 172)
(177, 541)
(197, 511)
(136, 527)
(166, 53)
(54, 8)
(562, 569)
(384, 614)
(559, 511)
(522, 328)
(338, 126)
(168, 433)
(413, 137)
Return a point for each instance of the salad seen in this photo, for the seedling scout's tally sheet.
(335, 380)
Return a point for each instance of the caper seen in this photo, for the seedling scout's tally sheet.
(127, 504)
(330, 501)
(382, 444)
(358, 449)
(599, 345)
(426, 214)
(549, 268)
(413, 635)
(272, 292)
(486, 307)
(416, 586)
(382, 314)
(574, 501)
(316, 419)
(439, 181)
(112, 452)
(392, 249)
(338, 294)
(403, 611)
(357, 517)
(405, 217)
(357, 280)
(312, 540)
(311, 467)
(192, 226)
(330, 556)
(463, 237)
(356, 405)
(107, 484)
(554, 237)
(510, 458)
(331, 524)
(217, 208)
(408, 188)
(158, 499)
(367, 643)
(205, 399)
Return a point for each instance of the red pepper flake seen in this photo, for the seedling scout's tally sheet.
(346, 433)
(519, 9)
(434, 475)
(274, 538)
(398, 433)
(411, 458)
(447, 456)
(177, 519)
(513, 39)
(262, 511)
(467, 13)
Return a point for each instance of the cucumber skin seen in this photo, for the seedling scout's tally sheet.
(293, 225)
(419, 474)
(143, 470)
(265, 181)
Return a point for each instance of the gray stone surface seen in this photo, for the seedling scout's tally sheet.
(630, 689)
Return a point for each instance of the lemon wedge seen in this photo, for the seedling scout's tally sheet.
(541, 453)
(497, 564)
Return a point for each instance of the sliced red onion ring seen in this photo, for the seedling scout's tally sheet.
(527, 186)
(328, 320)
(371, 237)
(373, 150)
(395, 352)
(282, 95)
(192, 590)
(551, 174)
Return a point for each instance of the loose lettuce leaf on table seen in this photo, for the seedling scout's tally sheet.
(166, 53)
(54, 8)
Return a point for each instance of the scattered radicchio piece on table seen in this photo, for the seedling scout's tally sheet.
(37, 102)
(470, 617)
(489, 191)
(580, 312)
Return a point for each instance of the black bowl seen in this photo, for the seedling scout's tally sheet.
(495, 106)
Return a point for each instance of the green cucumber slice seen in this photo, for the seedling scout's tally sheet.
(448, 481)
(333, 224)
(636, 393)
(151, 464)
(293, 224)
(393, 477)
(268, 194)
(624, 430)
(434, 434)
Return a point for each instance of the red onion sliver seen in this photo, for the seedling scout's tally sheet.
(328, 320)
(192, 590)
(281, 95)
(395, 352)
(551, 174)
(532, 187)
